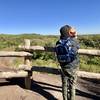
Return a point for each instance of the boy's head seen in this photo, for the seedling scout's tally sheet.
(67, 31)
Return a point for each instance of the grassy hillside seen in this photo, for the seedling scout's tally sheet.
(88, 63)
(12, 41)
(90, 41)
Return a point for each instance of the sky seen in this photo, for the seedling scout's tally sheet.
(47, 16)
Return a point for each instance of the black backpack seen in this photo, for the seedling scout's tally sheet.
(65, 51)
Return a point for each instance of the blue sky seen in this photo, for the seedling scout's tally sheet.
(47, 16)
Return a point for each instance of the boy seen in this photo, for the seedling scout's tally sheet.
(71, 64)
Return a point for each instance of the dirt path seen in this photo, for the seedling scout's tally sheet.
(47, 87)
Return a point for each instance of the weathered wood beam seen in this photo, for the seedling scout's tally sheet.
(37, 48)
(52, 49)
(58, 71)
(89, 52)
(90, 75)
(13, 74)
(22, 73)
(14, 54)
(23, 67)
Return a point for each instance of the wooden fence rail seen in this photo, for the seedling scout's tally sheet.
(29, 48)
(52, 49)
(14, 54)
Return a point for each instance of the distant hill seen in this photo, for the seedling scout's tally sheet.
(9, 41)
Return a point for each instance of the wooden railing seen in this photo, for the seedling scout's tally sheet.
(52, 49)
(25, 70)
(22, 71)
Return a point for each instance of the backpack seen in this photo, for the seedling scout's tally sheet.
(65, 51)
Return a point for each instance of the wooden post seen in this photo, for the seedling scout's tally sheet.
(27, 43)
(27, 62)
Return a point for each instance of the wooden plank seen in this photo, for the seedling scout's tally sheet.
(37, 48)
(23, 67)
(52, 49)
(7, 69)
(58, 71)
(90, 75)
(89, 52)
(13, 74)
(20, 73)
(14, 54)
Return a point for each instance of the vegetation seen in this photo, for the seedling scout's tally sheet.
(87, 63)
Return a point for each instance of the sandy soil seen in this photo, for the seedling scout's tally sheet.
(47, 87)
